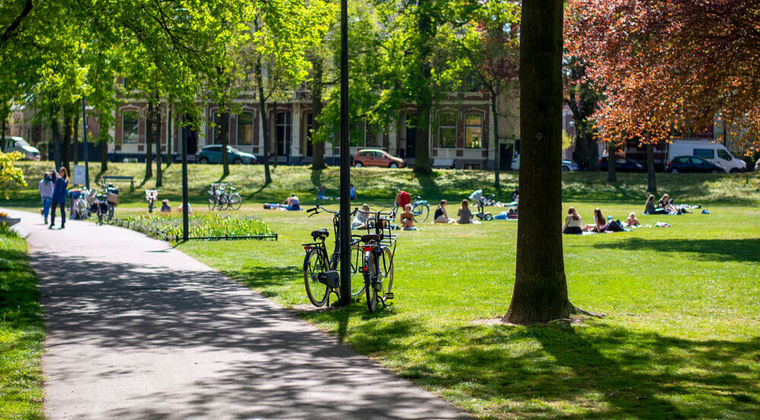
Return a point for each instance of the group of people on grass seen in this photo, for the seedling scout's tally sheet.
(363, 218)
(574, 223)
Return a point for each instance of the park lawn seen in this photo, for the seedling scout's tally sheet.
(21, 332)
(681, 335)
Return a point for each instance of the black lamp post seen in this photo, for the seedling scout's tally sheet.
(86, 152)
(345, 168)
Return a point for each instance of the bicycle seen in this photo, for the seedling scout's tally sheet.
(379, 249)
(321, 272)
(110, 196)
(420, 209)
(223, 196)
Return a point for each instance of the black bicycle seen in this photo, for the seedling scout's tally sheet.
(379, 249)
(321, 271)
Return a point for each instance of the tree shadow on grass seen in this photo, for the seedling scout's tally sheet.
(261, 277)
(588, 372)
(743, 250)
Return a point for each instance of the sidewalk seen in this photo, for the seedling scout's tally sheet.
(137, 330)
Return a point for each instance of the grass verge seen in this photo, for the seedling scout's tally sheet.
(21, 332)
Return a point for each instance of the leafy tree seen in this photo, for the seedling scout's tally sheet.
(582, 99)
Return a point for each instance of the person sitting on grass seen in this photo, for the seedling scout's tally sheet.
(649, 207)
(165, 207)
(441, 215)
(632, 220)
(666, 203)
(361, 220)
(573, 223)
(292, 202)
(407, 218)
(464, 213)
(600, 223)
(321, 193)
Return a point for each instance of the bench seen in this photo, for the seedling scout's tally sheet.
(443, 163)
(131, 180)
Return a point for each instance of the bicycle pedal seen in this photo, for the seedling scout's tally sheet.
(388, 296)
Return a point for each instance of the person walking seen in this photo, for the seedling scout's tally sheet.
(47, 184)
(59, 196)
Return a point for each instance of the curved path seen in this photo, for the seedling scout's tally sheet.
(137, 330)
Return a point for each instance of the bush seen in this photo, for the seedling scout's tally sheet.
(169, 226)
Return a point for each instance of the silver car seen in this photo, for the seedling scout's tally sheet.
(18, 144)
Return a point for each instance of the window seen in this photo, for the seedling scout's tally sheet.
(705, 153)
(130, 123)
(245, 128)
(724, 154)
(473, 131)
(282, 126)
(447, 130)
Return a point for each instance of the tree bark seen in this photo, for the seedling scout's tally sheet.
(540, 292)
(318, 148)
(611, 175)
(651, 182)
(149, 142)
(103, 139)
(275, 143)
(76, 139)
(157, 131)
(425, 94)
(497, 158)
(169, 135)
(68, 130)
(263, 118)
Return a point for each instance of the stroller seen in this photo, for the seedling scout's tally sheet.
(482, 202)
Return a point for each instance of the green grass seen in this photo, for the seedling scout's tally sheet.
(681, 335)
(21, 332)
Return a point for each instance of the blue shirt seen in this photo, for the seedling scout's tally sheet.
(59, 191)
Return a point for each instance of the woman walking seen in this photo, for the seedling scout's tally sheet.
(46, 193)
(59, 196)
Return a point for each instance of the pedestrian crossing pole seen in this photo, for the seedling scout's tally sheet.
(345, 163)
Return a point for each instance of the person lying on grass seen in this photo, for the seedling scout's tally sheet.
(573, 223)
(600, 223)
(407, 218)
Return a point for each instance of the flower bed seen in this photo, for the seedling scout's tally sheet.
(206, 226)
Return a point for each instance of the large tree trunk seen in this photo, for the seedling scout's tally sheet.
(611, 175)
(263, 118)
(425, 94)
(149, 141)
(652, 183)
(540, 292)
(318, 148)
(157, 134)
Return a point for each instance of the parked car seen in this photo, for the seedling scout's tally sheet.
(377, 157)
(621, 165)
(18, 144)
(213, 154)
(711, 151)
(692, 164)
(568, 165)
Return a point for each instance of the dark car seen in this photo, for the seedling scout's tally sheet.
(622, 165)
(213, 154)
(377, 157)
(692, 164)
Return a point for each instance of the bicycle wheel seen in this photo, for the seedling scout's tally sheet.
(235, 201)
(224, 202)
(357, 275)
(385, 264)
(211, 201)
(421, 212)
(80, 208)
(313, 264)
(100, 215)
(370, 280)
(110, 212)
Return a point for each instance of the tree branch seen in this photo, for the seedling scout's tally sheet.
(16, 22)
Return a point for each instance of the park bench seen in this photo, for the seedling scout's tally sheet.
(443, 163)
(131, 180)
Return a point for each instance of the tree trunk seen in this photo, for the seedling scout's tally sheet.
(76, 138)
(103, 139)
(68, 130)
(56, 140)
(425, 94)
(652, 183)
(169, 138)
(318, 148)
(264, 125)
(275, 143)
(223, 139)
(540, 292)
(497, 159)
(611, 175)
(158, 132)
(149, 142)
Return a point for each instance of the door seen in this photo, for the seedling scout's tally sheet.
(411, 136)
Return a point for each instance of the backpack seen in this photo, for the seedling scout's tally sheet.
(615, 226)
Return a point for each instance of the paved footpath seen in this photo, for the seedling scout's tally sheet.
(138, 330)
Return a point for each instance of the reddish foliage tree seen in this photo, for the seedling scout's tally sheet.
(670, 66)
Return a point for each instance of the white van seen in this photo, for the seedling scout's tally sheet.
(709, 150)
(18, 144)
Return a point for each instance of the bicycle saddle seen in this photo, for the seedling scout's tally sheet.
(372, 238)
(322, 233)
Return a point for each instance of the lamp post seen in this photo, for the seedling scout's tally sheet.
(345, 168)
